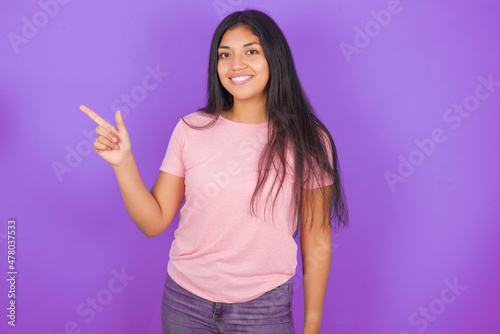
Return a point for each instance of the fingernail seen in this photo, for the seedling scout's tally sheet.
(115, 139)
(116, 147)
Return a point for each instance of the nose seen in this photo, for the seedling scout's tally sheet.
(238, 63)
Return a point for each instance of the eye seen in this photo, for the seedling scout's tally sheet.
(223, 55)
(253, 51)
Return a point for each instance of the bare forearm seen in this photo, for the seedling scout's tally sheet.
(316, 257)
(141, 205)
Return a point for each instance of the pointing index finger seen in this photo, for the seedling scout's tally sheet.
(98, 119)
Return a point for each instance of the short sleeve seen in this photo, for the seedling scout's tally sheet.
(173, 161)
(310, 181)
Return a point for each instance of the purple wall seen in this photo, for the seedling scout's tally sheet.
(410, 91)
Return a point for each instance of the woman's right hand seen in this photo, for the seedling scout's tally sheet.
(112, 144)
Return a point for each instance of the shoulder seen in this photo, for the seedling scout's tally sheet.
(189, 125)
(196, 118)
(325, 136)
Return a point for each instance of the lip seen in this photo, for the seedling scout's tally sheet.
(240, 82)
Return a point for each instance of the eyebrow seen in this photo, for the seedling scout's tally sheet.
(244, 45)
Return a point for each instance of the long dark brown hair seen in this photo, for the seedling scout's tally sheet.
(291, 119)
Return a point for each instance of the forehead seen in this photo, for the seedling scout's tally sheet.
(238, 36)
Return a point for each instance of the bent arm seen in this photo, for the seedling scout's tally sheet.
(152, 212)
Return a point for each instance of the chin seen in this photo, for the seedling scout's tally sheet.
(242, 97)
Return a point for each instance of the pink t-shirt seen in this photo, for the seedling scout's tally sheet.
(220, 251)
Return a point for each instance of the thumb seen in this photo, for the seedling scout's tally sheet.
(119, 121)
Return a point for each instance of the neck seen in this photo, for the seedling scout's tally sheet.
(247, 111)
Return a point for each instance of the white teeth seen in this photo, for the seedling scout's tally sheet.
(241, 78)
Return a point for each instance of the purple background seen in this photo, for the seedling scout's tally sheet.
(390, 270)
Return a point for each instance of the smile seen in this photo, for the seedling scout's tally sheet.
(241, 80)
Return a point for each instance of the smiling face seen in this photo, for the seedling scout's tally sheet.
(242, 66)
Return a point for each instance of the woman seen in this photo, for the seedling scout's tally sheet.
(230, 269)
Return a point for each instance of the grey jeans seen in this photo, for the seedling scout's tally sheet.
(185, 313)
